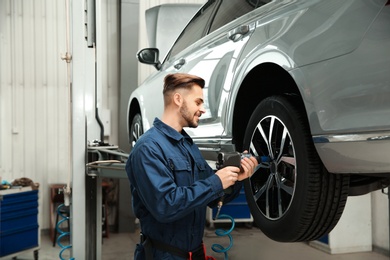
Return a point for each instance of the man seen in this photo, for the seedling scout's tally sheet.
(171, 183)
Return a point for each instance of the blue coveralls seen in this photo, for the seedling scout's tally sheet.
(171, 186)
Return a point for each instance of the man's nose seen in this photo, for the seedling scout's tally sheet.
(202, 110)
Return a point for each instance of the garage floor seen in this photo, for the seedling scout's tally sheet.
(249, 244)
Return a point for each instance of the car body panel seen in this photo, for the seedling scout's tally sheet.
(278, 48)
(365, 153)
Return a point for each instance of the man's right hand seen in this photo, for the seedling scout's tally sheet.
(228, 176)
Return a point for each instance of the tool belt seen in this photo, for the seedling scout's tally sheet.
(198, 254)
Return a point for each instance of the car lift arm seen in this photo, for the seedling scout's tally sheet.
(102, 161)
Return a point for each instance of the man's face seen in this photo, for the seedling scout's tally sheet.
(192, 107)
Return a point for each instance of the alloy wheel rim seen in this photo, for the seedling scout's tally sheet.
(274, 181)
(136, 133)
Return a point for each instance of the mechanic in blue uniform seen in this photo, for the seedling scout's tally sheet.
(170, 181)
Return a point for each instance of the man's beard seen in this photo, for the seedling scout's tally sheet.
(188, 118)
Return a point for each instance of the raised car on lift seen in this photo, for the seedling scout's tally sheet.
(305, 83)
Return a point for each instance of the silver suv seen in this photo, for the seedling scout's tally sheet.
(305, 84)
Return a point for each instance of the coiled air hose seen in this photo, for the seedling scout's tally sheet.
(221, 232)
(62, 233)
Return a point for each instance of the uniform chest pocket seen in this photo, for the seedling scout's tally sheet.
(202, 170)
(181, 170)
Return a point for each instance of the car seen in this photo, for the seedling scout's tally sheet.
(304, 84)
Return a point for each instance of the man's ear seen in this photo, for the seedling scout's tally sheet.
(178, 99)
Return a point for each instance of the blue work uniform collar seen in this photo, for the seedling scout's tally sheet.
(171, 132)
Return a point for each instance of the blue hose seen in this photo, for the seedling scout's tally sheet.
(221, 232)
(62, 233)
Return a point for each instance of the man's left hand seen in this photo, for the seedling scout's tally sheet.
(248, 166)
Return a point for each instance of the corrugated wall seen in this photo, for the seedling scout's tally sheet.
(34, 104)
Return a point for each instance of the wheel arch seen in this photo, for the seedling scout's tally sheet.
(134, 108)
(264, 80)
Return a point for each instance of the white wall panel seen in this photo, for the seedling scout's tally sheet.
(380, 219)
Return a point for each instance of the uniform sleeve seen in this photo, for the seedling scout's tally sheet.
(150, 174)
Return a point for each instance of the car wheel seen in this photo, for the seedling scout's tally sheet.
(136, 130)
(291, 195)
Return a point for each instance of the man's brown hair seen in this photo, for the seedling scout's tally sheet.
(175, 81)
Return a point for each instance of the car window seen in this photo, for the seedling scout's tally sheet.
(196, 29)
(230, 10)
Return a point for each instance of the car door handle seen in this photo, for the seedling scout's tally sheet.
(237, 33)
(179, 64)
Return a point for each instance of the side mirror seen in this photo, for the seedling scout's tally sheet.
(149, 56)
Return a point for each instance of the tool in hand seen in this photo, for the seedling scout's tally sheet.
(233, 159)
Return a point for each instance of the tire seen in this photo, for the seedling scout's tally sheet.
(136, 130)
(291, 196)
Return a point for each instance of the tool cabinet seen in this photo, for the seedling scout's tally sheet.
(19, 229)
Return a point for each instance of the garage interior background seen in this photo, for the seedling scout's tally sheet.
(33, 93)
